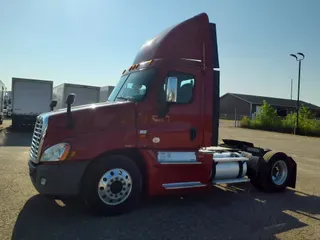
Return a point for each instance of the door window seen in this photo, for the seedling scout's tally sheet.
(186, 83)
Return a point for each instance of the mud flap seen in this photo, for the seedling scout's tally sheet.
(293, 177)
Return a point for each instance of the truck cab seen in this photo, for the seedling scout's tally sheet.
(157, 134)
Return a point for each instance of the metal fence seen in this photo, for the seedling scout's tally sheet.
(233, 117)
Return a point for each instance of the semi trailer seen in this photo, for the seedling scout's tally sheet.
(157, 134)
(105, 93)
(85, 94)
(30, 97)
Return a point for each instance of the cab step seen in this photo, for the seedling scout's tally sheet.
(229, 181)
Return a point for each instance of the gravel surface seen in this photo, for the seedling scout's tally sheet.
(228, 212)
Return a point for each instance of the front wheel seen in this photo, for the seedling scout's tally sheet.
(112, 185)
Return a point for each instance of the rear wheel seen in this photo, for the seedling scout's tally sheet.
(274, 175)
(279, 172)
(112, 185)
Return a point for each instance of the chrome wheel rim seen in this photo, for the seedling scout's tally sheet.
(115, 186)
(279, 172)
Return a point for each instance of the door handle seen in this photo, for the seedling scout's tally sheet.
(155, 118)
(193, 134)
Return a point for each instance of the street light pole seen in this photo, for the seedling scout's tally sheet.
(297, 129)
(291, 89)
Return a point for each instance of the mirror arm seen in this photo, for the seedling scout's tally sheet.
(70, 123)
(69, 101)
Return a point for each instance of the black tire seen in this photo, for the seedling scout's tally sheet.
(49, 197)
(93, 177)
(265, 181)
(256, 184)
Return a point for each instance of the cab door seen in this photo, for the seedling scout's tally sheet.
(181, 126)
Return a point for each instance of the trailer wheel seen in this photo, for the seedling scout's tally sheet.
(275, 174)
(112, 185)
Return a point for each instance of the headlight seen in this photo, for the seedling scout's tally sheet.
(58, 152)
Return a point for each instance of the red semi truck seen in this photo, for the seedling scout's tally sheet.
(157, 134)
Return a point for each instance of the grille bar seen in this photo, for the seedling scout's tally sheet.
(36, 139)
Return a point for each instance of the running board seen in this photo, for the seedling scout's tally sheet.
(182, 185)
(228, 181)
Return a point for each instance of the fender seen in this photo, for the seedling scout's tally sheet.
(244, 146)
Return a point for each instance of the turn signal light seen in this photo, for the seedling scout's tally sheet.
(135, 66)
(147, 62)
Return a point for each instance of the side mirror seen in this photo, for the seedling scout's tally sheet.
(69, 101)
(53, 104)
(169, 95)
(71, 98)
(172, 89)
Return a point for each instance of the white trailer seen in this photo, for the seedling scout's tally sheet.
(2, 93)
(30, 97)
(84, 94)
(105, 93)
(7, 110)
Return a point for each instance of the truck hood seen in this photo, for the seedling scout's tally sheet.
(89, 119)
(83, 107)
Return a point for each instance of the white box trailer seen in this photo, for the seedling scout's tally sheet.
(105, 93)
(7, 110)
(84, 94)
(30, 98)
(2, 93)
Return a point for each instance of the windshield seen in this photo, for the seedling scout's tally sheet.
(133, 86)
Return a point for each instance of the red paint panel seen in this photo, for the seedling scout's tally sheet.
(96, 130)
(158, 174)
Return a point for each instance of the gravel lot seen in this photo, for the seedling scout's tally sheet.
(229, 212)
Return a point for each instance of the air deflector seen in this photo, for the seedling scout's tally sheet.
(194, 38)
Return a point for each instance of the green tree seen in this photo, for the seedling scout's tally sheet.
(267, 117)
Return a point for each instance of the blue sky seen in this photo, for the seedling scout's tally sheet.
(92, 41)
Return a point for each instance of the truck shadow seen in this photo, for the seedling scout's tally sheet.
(10, 138)
(234, 212)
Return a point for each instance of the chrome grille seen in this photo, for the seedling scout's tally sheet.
(37, 133)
